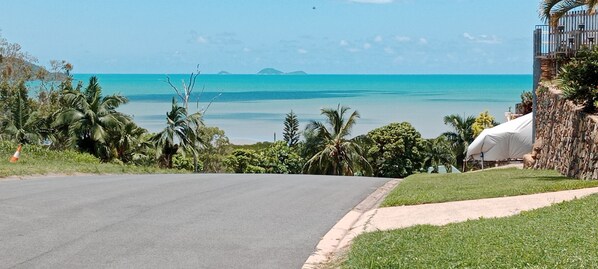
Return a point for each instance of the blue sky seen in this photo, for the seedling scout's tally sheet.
(337, 37)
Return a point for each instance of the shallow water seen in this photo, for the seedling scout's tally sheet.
(252, 108)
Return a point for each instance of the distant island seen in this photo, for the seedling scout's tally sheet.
(272, 71)
(223, 73)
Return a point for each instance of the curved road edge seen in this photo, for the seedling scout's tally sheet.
(341, 234)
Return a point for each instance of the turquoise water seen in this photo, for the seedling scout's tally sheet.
(252, 107)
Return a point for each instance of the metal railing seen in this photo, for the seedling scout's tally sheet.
(575, 30)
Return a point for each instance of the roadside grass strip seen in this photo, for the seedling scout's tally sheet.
(437, 188)
(564, 235)
(37, 160)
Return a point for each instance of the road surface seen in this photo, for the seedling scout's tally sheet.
(171, 221)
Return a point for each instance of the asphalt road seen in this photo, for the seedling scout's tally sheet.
(171, 221)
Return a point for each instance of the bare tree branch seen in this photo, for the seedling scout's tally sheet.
(203, 112)
(174, 87)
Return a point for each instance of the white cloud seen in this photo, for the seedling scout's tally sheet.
(389, 50)
(301, 51)
(372, 1)
(423, 41)
(402, 39)
(201, 40)
(378, 39)
(353, 50)
(246, 49)
(343, 43)
(485, 39)
(367, 46)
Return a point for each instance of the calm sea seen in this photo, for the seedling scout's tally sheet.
(252, 108)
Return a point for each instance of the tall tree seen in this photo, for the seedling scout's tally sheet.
(180, 132)
(291, 129)
(215, 145)
(396, 150)
(90, 116)
(553, 10)
(338, 154)
(19, 122)
(461, 136)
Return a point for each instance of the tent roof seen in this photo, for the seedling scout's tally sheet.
(510, 140)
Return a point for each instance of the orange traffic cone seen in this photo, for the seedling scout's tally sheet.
(15, 157)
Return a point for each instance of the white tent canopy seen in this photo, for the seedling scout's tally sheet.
(510, 140)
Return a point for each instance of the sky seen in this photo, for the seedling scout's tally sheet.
(244, 36)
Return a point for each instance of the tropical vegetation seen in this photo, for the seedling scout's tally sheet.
(578, 79)
(396, 150)
(438, 152)
(291, 129)
(67, 115)
(336, 154)
(461, 135)
(553, 10)
(481, 122)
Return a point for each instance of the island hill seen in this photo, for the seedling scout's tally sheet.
(269, 71)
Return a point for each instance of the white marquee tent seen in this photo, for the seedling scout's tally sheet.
(510, 140)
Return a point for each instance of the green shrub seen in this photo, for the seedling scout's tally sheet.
(185, 163)
(579, 79)
(397, 150)
(280, 158)
(244, 161)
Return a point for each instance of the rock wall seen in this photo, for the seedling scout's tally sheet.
(568, 137)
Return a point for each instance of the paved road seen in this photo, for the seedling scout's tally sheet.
(171, 221)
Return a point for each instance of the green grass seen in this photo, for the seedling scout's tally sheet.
(561, 236)
(37, 160)
(435, 188)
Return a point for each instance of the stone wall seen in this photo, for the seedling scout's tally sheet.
(568, 137)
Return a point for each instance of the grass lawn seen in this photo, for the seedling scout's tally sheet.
(435, 188)
(36, 160)
(561, 236)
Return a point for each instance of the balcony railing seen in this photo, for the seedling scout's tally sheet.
(575, 30)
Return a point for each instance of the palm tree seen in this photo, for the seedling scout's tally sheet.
(180, 132)
(127, 141)
(461, 136)
(17, 120)
(438, 151)
(337, 155)
(553, 10)
(90, 117)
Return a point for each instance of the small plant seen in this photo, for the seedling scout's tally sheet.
(579, 79)
(527, 101)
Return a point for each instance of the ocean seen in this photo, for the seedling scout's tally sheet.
(252, 108)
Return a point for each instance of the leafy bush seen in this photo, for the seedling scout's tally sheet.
(579, 79)
(396, 150)
(483, 121)
(244, 161)
(527, 102)
(281, 158)
(185, 162)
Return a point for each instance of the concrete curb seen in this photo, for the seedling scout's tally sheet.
(341, 233)
(367, 217)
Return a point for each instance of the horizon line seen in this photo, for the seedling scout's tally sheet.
(332, 74)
